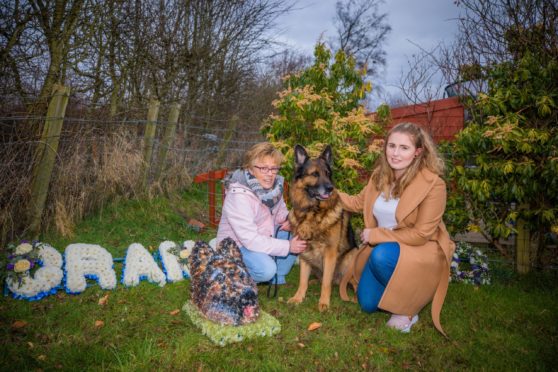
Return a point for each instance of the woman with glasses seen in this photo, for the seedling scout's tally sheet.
(254, 215)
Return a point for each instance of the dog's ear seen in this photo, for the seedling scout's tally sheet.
(300, 155)
(327, 155)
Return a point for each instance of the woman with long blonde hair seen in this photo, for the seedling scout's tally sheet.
(402, 205)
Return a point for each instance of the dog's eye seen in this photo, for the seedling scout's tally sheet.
(316, 174)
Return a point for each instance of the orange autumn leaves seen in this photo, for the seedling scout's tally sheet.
(313, 326)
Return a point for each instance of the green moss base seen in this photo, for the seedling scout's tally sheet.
(266, 325)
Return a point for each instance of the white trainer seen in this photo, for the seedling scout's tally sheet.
(402, 322)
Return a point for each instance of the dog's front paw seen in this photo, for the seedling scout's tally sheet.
(295, 300)
(323, 306)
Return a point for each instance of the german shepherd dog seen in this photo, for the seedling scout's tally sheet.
(317, 217)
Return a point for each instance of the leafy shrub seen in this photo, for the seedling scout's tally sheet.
(323, 105)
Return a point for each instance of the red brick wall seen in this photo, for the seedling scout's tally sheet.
(442, 118)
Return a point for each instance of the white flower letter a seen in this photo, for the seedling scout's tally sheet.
(139, 265)
(88, 261)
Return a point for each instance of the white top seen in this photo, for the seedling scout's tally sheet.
(384, 211)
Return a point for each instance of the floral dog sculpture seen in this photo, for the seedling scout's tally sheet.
(221, 287)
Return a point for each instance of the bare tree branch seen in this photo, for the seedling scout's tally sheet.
(361, 32)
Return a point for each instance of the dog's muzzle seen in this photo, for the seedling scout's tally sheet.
(321, 193)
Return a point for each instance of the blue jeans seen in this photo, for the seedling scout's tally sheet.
(376, 275)
(263, 267)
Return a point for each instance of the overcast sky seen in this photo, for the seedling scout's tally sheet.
(422, 22)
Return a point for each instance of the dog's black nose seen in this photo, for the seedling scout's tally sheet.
(328, 188)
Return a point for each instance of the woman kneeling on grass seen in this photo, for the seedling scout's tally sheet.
(255, 216)
(403, 204)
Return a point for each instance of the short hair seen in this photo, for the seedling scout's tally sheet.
(259, 151)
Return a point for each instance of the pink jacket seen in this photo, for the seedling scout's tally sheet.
(250, 223)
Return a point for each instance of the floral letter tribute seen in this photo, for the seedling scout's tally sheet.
(88, 261)
(140, 265)
(175, 260)
(46, 278)
(36, 270)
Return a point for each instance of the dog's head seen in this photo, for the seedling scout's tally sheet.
(314, 174)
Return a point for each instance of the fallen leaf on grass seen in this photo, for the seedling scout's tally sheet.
(301, 345)
(30, 344)
(42, 357)
(19, 324)
(314, 326)
(103, 300)
(174, 312)
(99, 323)
(44, 338)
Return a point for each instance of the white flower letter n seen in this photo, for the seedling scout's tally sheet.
(139, 265)
(88, 261)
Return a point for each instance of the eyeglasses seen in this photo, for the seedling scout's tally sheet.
(267, 170)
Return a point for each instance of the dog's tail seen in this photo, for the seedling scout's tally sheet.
(349, 276)
(354, 271)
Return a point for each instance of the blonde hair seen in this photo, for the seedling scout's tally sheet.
(260, 151)
(383, 175)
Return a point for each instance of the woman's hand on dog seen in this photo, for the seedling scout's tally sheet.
(297, 245)
(286, 226)
(365, 235)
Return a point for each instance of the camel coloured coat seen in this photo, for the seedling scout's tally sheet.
(422, 272)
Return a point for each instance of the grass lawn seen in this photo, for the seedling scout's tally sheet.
(509, 325)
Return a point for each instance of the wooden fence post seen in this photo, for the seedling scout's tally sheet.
(168, 138)
(221, 156)
(148, 138)
(523, 248)
(46, 156)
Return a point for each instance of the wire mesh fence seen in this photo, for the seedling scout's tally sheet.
(98, 159)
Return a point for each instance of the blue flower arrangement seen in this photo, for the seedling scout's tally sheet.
(22, 261)
(469, 265)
